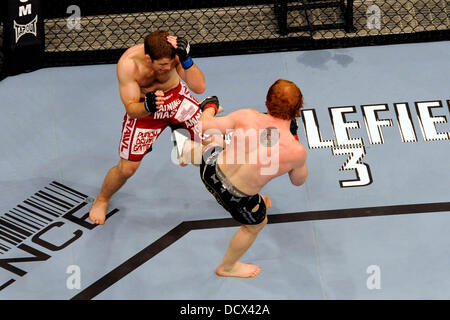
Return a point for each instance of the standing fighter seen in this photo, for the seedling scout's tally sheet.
(235, 184)
(154, 98)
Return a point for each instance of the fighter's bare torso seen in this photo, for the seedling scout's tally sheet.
(134, 64)
(251, 164)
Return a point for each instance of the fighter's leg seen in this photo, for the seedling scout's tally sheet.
(239, 244)
(114, 180)
(193, 151)
(210, 112)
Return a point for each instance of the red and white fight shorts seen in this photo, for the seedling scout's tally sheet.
(180, 110)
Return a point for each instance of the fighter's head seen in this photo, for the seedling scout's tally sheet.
(284, 100)
(160, 52)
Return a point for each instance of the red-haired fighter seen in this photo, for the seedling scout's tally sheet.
(236, 172)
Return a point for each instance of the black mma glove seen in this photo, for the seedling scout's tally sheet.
(294, 128)
(210, 102)
(150, 102)
(183, 52)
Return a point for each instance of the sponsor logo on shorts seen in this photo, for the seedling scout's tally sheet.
(126, 137)
(143, 139)
(193, 122)
(167, 110)
(186, 110)
(185, 92)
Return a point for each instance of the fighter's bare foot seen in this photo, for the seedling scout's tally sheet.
(240, 270)
(181, 162)
(267, 201)
(189, 153)
(97, 214)
(186, 153)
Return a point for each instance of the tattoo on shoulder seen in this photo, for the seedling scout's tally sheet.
(269, 137)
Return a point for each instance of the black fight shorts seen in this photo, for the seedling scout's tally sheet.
(249, 210)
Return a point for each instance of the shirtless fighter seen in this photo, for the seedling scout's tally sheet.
(236, 185)
(154, 98)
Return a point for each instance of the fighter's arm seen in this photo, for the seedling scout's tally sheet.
(299, 174)
(186, 68)
(130, 91)
(193, 77)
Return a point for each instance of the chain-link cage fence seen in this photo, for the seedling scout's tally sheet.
(84, 32)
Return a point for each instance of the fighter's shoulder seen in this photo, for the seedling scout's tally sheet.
(246, 112)
(298, 152)
(127, 65)
(243, 116)
(250, 110)
(126, 69)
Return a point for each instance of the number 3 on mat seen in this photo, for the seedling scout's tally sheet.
(353, 162)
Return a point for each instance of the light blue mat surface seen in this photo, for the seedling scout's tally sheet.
(62, 128)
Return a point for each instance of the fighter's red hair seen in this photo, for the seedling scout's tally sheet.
(284, 100)
(157, 47)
